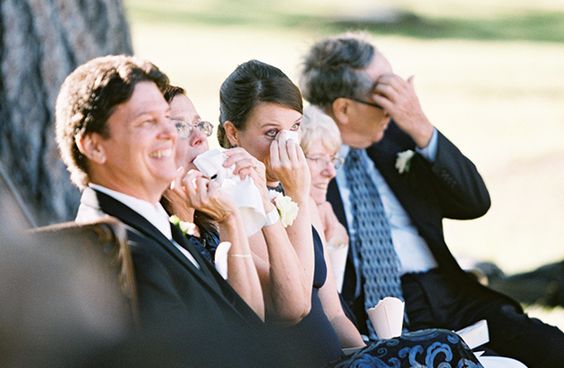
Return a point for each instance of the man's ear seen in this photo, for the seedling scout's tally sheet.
(231, 133)
(90, 146)
(341, 108)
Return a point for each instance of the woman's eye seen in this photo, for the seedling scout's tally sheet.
(271, 133)
(295, 127)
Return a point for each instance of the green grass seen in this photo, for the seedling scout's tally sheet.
(489, 74)
(519, 23)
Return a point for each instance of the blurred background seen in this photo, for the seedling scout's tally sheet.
(489, 74)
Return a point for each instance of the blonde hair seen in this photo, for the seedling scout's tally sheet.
(319, 128)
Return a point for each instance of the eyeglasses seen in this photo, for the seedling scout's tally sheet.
(373, 104)
(323, 161)
(184, 129)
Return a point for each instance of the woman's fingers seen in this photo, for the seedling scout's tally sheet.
(292, 148)
(177, 183)
(202, 190)
(283, 152)
(274, 158)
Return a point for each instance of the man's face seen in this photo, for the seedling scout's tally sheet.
(368, 123)
(139, 152)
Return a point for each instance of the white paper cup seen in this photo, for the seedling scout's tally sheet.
(387, 317)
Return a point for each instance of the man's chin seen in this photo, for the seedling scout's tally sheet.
(378, 136)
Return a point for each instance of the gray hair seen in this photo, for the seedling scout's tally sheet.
(319, 128)
(334, 67)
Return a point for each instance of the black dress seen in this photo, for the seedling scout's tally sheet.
(318, 342)
(313, 342)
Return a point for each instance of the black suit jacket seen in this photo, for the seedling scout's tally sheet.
(450, 187)
(170, 288)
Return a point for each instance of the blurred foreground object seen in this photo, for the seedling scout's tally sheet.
(41, 42)
(57, 307)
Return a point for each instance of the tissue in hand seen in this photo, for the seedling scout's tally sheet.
(286, 135)
(243, 193)
(210, 164)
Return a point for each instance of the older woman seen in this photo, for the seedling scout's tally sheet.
(212, 216)
(258, 105)
(321, 143)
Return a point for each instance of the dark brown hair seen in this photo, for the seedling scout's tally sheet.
(248, 85)
(88, 97)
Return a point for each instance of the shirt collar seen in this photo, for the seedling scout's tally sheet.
(154, 213)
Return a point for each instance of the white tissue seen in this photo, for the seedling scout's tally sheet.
(289, 135)
(243, 193)
(210, 164)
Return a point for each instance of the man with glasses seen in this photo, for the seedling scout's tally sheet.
(400, 178)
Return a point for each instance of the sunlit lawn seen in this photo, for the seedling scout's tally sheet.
(489, 75)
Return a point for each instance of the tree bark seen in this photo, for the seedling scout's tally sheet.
(41, 42)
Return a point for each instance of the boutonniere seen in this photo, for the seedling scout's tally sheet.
(403, 161)
(287, 208)
(186, 227)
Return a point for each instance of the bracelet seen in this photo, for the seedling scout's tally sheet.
(272, 217)
(240, 255)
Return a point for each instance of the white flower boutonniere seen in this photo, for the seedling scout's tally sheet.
(403, 161)
(287, 208)
(186, 227)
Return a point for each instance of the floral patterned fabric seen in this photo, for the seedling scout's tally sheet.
(431, 348)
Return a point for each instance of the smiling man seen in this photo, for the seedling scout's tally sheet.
(394, 217)
(118, 142)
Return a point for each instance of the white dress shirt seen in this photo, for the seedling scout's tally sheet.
(154, 213)
(412, 250)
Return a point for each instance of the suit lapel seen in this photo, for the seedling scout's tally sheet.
(138, 223)
(407, 187)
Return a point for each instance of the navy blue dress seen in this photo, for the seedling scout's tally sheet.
(318, 342)
(313, 342)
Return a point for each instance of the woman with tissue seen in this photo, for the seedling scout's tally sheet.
(202, 210)
(261, 111)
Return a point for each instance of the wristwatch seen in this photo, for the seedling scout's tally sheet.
(272, 217)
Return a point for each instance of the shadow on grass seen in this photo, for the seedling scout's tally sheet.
(533, 26)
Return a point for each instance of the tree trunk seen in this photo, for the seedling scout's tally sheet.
(41, 42)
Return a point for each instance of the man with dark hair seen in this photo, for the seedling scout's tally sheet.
(400, 179)
(116, 138)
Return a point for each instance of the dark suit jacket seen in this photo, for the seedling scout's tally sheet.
(450, 187)
(170, 287)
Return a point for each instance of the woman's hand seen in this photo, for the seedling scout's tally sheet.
(247, 165)
(288, 163)
(206, 196)
(177, 198)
